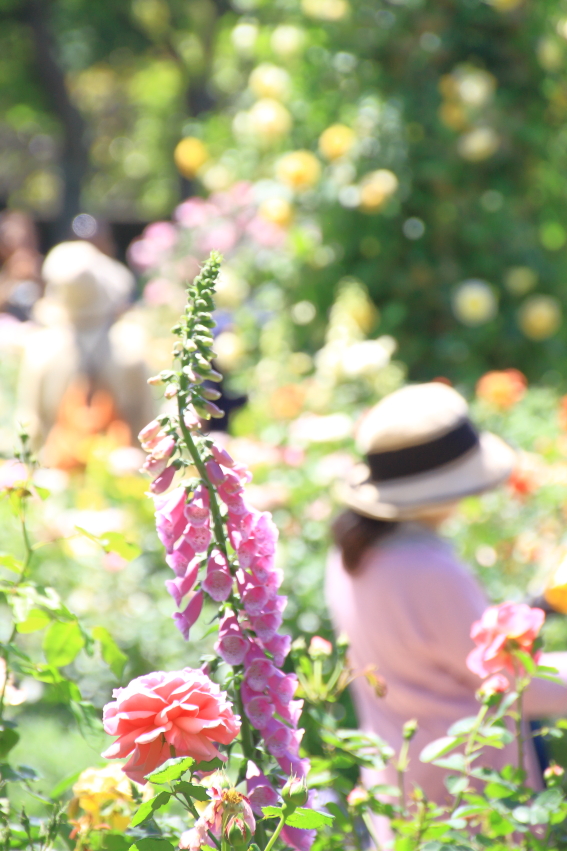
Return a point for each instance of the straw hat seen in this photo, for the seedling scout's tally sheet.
(422, 452)
(86, 283)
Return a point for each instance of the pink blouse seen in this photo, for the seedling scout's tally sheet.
(408, 610)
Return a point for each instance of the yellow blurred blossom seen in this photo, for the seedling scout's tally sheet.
(231, 289)
(325, 10)
(478, 144)
(269, 120)
(336, 141)
(376, 188)
(556, 590)
(104, 795)
(540, 317)
(474, 303)
(229, 350)
(270, 81)
(244, 36)
(190, 155)
(299, 169)
(287, 40)
(504, 5)
(276, 210)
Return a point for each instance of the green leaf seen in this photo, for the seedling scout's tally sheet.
(111, 652)
(173, 769)
(8, 739)
(115, 842)
(12, 563)
(43, 493)
(148, 808)
(191, 790)
(37, 619)
(308, 819)
(116, 542)
(456, 784)
(62, 643)
(209, 765)
(272, 812)
(152, 843)
(439, 748)
(64, 784)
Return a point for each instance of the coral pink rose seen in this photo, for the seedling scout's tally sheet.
(501, 630)
(182, 709)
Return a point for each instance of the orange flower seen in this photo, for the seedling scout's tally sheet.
(502, 388)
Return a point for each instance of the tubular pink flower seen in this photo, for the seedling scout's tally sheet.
(199, 537)
(218, 581)
(258, 673)
(180, 557)
(156, 462)
(232, 646)
(170, 520)
(279, 646)
(183, 709)
(184, 620)
(163, 481)
(181, 586)
(150, 435)
(261, 793)
(221, 456)
(259, 711)
(197, 510)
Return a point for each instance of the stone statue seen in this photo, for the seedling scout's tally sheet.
(83, 372)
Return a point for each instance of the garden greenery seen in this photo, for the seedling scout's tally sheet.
(215, 754)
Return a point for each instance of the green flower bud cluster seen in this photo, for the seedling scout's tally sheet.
(195, 346)
(294, 795)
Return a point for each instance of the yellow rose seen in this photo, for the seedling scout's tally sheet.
(336, 141)
(556, 591)
(376, 188)
(105, 796)
(190, 155)
(277, 210)
(540, 317)
(299, 169)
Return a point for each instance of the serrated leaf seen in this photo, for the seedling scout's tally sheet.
(111, 652)
(456, 784)
(171, 770)
(308, 819)
(148, 808)
(191, 790)
(209, 765)
(115, 842)
(152, 843)
(62, 643)
(37, 619)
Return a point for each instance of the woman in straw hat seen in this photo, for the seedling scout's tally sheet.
(396, 589)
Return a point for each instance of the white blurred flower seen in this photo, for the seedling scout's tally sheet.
(474, 303)
(478, 144)
(287, 40)
(270, 81)
(364, 358)
(269, 120)
(312, 428)
(244, 37)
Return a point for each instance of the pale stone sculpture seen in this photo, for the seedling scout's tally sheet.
(83, 373)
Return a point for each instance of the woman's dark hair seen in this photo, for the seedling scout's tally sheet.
(354, 534)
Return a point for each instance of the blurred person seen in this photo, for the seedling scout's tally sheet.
(397, 590)
(20, 276)
(83, 373)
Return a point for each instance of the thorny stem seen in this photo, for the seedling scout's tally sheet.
(519, 727)
(469, 749)
(367, 819)
(401, 768)
(188, 804)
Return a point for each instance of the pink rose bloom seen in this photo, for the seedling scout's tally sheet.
(12, 472)
(501, 630)
(183, 709)
(496, 684)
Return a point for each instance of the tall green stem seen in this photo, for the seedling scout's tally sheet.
(275, 834)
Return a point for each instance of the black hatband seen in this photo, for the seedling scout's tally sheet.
(412, 460)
